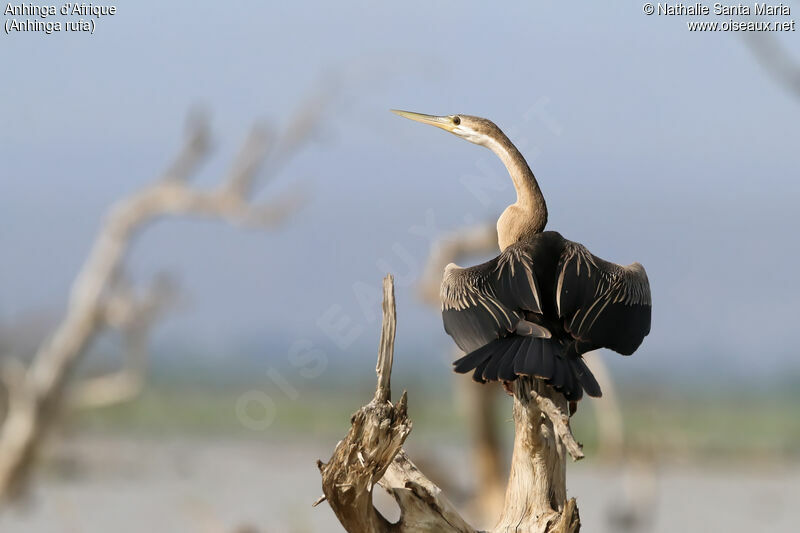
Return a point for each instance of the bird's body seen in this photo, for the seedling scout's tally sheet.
(545, 301)
(538, 307)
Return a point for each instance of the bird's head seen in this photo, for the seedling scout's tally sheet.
(474, 129)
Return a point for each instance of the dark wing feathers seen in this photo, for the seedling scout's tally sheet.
(496, 314)
(478, 326)
(485, 302)
(602, 304)
(474, 359)
(515, 282)
(586, 378)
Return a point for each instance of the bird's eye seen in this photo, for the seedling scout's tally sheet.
(456, 120)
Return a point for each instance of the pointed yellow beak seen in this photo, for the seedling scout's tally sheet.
(446, 123)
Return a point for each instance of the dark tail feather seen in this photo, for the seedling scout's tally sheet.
(529, 363)
(487, 360)
(573, 390)
(585, 377)
(548, 363)
(506, 358)
(478, 374)
(507, 368)
(474, 359)
(505, 349)
(550, 360)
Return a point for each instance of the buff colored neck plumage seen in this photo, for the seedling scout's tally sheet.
(528, 215)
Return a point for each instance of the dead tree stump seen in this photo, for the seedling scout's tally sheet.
(371, 452)
(536, 495)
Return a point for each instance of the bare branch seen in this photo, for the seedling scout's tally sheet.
(273, 213)
(124, 309)
(194, 150)
(301, 127)
(560, 421)
(94, 305)
(12, 376)
(423, 504)
(371, 452)
(536, 495)
(775, 59)
(386, 348)
(239, 182)
(134, 315)
(19, 420)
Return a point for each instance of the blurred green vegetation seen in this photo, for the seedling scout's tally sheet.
(180, 406)
(720, 421)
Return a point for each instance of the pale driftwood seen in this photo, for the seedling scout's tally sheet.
(35, 394)
(536, 496)
(560, 420)
(383, 392)
(371, 453)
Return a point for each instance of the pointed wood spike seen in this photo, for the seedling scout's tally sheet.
(402, 405)
(386, 347)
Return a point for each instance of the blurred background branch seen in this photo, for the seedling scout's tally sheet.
(478, 403)
(102, 298)
(134, 316)
(676, 144)
(777, 61)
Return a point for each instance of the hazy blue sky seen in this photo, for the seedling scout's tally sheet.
(651, 143)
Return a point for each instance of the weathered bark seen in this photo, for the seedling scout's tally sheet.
(536, 496)
(372, 453)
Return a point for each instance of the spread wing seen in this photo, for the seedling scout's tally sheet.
(602, 304)
(485, 302)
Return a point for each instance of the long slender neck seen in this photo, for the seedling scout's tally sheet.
(529, 196)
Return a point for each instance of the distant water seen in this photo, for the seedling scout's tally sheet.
(100, 485)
